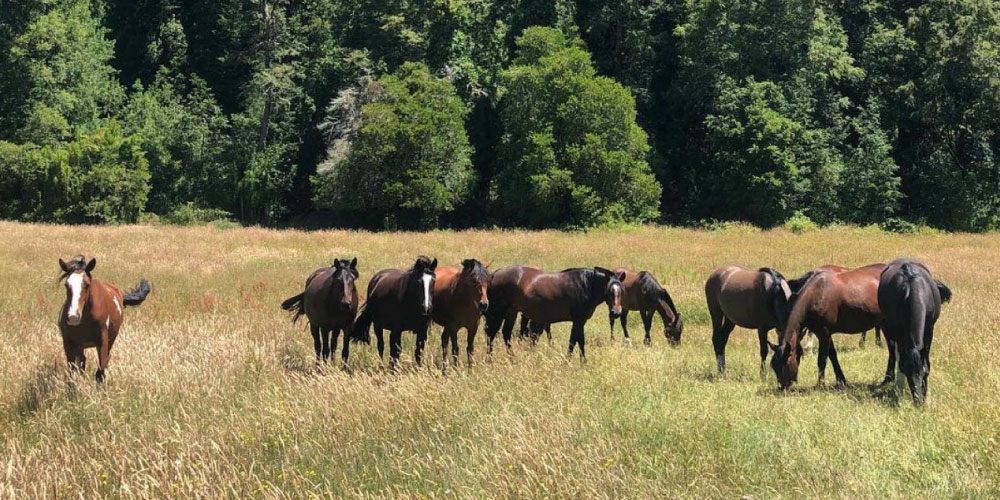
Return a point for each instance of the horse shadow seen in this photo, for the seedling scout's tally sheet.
(882, 394)
(42, 389)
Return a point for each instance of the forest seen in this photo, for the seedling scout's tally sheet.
(421, 114)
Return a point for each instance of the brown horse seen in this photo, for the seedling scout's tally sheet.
(546, 298)
(460, 298)
(830, 302)
(737, 296)
(644, 294)
(399, 301)
(910, 300)
(92, 314)
(505, 284)
(797, 284)
(329, 302)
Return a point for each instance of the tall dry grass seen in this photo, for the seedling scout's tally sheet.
(213, 393)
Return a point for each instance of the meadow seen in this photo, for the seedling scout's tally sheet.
(212, 392)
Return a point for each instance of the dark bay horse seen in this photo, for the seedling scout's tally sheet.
(830, 302)
(399, 301)
(504, 286)
(546, 298)
(644, 294)
(797, 284)
(92, 314)
(910, 300)
(460, 298)
(329, 302)
(738, 296)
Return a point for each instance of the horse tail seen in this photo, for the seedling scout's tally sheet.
(361, 324)
(796, 284)
(944, 291)
(295, 305)
(138, 294)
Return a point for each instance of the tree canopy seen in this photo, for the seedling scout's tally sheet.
(566, 113)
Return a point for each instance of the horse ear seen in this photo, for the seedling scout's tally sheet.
(64, 266)
(91, 265)
(468, 264)
(621, 276)
(338, 264)
(488, 264)
(354, 263)
(434, 264)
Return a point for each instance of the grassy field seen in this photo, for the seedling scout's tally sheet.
(213, 392)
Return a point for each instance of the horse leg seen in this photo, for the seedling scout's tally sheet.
(76, 362)
(624, 322)
(103, 355)
(824, 354)
(508, 331)
(647, 324)
(334, 335)
(548, 332)
(445, 337)
(577, 337)
(721, 329)
(454, 346)
(925, 355)
(611, 319)
(380, 338)
(841, 380)
(418, 351)
(878, 336)
(347, 344)
(523, 332)
(326, 343)
(762, 340)
(395, 348)
(470, 341)
(317, 346)
(891, 365)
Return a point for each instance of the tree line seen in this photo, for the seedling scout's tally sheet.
(526, 113)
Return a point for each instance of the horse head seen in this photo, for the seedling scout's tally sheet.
(344, 274)
(611, 289)
(77, 276)
(477, 275)
(422, 280)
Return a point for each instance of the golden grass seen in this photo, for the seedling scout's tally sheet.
(213, 392)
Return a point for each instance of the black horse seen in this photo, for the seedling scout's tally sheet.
(330, 302)
(546, 298)
(910, 300)
(399, 301)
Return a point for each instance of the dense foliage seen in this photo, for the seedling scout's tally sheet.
(566, 113)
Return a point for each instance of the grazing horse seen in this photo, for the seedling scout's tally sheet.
(797, 284)
(644, 294)
(910, 299)
(830, 302)
(329, 302)
(399, 301)
(92, 314)
(460, 298)
(546, 298)
(737, 296)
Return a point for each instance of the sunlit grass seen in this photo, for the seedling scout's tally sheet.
(213, 392)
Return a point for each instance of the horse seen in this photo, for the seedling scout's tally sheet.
(504, 286)
(399, 301)
(644, 294)
(910, 300)
(92, 314)
(527, 327)
(546, 298)
(830, 302)
(738, 296)
(329, 302)
(797, 284)
(460, 298)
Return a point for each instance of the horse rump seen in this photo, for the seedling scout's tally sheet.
(295, 305)
(138, 294)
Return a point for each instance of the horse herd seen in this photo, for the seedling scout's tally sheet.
(901, 299)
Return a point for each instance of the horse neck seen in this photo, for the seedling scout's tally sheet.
(797, 316)
(597, 287)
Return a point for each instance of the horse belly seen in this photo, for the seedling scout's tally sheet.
(545, 312)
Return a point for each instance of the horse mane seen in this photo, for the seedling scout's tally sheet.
(650, 286)
(77, 263)
(476, 269)
(422, 262)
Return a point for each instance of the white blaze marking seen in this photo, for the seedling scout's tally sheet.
(75, 284)
(784, 288)
(117, 306)
(107, 322)
(427, 290)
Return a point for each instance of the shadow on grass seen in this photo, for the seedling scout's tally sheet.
(42, 389)
(883, 394)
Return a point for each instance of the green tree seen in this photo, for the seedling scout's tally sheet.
(407, 155)
(572, 153)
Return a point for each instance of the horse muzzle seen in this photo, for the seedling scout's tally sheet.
(73, 320)
(483, 306)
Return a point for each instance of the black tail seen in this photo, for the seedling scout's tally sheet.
(796, 284)
(138, 294)
(296, 305)
(944, 291)
(361, 324)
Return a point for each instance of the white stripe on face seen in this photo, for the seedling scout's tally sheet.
(75, 284)
(427, 290)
